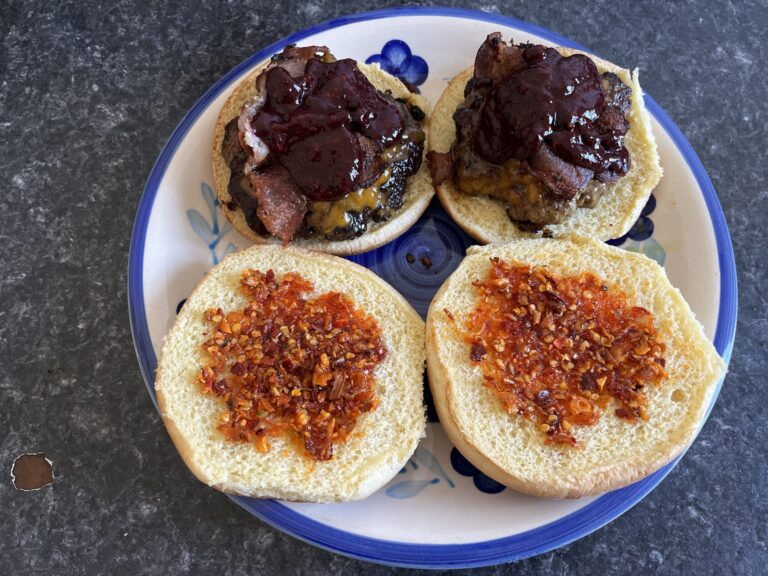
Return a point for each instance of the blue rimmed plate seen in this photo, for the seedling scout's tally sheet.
(439, 511)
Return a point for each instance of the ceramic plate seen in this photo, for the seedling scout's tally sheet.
(439, 511)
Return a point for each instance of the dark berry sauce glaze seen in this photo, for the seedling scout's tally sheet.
(313, 124)
(554, 100)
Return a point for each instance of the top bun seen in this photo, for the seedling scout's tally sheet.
(614, 452)
(382, 440)
(417, 197)
(485, 218)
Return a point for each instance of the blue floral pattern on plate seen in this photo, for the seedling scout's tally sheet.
(417, 262)
(480, 480)
(211, 233)
(639, 239)
(410, 488)
(397, 58)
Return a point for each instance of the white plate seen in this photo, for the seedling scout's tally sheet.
(439, 511)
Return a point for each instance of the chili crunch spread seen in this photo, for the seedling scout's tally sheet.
(287, 363)
(558, 350)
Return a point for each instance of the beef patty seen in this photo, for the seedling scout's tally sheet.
(319, 151)
(535, 128)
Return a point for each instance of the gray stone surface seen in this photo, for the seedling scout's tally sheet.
(89, 92)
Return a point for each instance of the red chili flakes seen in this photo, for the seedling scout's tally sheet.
(288, 364)
(557, 351)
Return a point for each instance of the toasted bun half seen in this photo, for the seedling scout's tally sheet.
(485, 218)
(417, 197)
(509, 448)
(383, 439)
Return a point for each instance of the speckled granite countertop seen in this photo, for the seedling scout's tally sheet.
(90, 91)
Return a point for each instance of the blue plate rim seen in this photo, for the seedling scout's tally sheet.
(434, 556)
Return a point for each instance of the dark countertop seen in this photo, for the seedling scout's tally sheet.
(89, 93)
